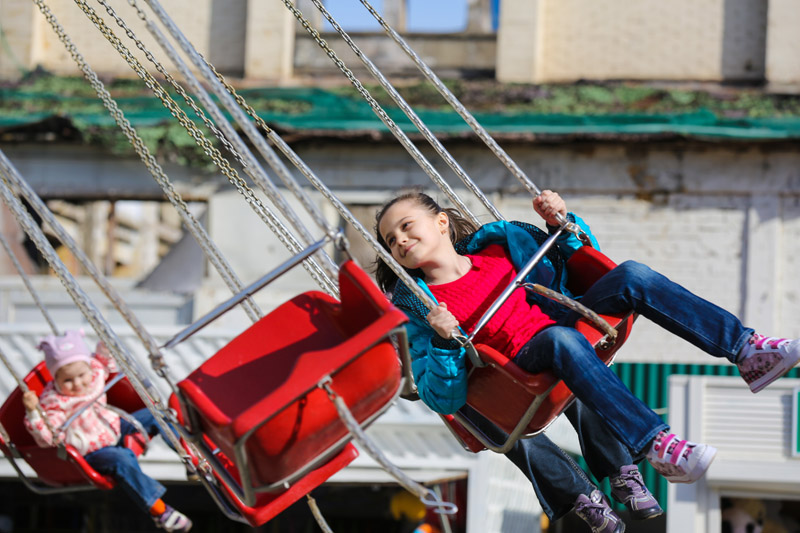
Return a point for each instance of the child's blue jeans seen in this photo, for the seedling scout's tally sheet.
(121, 464)
(630, 286)
(554, 475)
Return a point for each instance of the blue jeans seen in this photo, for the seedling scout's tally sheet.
(148, 422)
(121, 464)
(556, 479)
(630, 286)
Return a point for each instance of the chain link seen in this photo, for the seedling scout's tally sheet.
(396, 131)
(501, 154)
(137, 377)
(28, 284)
(213, 153)
(412, 116)
(313, 179)
(192, 224)
(249, 164)
(318, 184)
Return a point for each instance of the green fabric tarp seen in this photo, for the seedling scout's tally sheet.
(312, 109)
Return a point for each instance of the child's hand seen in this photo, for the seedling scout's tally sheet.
(549, 204)
(30, 400)
(442, 321)
(102, 350)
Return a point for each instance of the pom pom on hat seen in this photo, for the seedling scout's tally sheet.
(64, 349)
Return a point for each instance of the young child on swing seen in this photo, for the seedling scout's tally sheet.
(465, 269)
(78, 377)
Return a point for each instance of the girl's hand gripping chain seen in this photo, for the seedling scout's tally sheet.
(549, 205)
(442, 321)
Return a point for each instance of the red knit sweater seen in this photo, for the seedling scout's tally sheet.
(468, 297)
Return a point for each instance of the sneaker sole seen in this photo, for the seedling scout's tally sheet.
(646, 514)
(699, 469)
(777, 371)
(640, 514)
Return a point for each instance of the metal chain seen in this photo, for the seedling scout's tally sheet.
(312, 505)
(157, 360)
(136, 375)
(194, 227)
(318, 184)
(224, 94)
(230, 138)
(484, 135)
(249, 165)
(448, 95)
(426, 495)
(28, 285)
(396, 131)
(213, 153)
(409, 112)
(24, 388)
(12, 179)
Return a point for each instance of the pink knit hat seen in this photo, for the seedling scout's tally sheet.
(63, 350)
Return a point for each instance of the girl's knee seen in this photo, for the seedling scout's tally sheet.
(635, 273)
(565, 339)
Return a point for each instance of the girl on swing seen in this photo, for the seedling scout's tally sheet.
(97, 433)
(464, 270)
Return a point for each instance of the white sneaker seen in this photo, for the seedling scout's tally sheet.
(765, 359)
(678, 460)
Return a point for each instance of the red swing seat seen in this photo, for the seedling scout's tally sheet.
(502, 392)
(257, 399)
(267, 504)
(73, 471)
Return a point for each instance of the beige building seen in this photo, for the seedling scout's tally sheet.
(537, 41)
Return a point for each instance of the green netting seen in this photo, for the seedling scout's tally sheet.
(307, 109)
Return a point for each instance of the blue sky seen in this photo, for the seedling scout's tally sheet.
(423, 15)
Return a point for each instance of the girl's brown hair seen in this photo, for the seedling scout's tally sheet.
(460, 227)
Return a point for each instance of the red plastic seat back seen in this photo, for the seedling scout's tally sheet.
(502, 391)
(275, 365)
(585, 267)
(124, 396)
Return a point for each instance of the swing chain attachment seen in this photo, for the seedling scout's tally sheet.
(610, 337)
(427, 496)
(469, 348)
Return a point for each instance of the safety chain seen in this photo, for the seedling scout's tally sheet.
(344, 212)
(598, 321)
(412, 116)
(220, 161)
(501, 154)
(312, 505)
(56, 435)
(28, 284)
(137, 378)
(448, 95)
(192, 224)
(426, 495)
(396, 131)
(250, 166)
